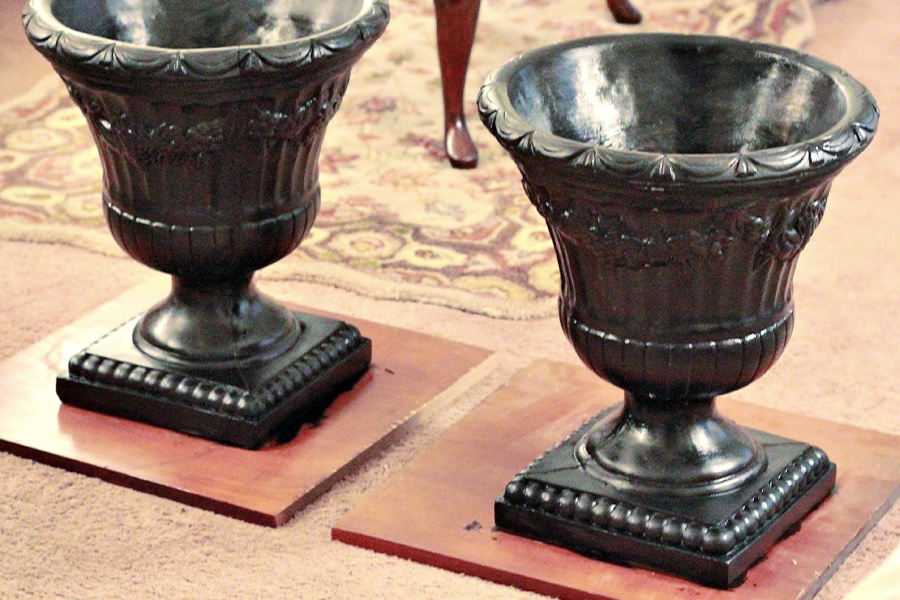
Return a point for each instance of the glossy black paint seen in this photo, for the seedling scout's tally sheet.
(680, 178)
(209, 118)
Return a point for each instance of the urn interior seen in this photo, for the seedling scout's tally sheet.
(681, 98)
(197, 24)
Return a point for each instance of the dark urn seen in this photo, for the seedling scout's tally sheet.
(680, 177)
(209, 118)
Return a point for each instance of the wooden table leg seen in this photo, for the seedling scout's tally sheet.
(456, 20)
(624, 12)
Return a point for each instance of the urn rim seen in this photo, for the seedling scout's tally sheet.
(824, 153)
(93, 54)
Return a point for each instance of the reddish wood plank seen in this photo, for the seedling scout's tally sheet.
(446, 497)
(266, 486)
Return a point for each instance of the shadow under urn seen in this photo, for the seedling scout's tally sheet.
(680, 177)
(209, 118)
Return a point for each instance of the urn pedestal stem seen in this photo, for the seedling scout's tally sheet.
(221, 324)
(677, 447)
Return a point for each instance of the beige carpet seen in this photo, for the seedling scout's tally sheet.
(68, 536)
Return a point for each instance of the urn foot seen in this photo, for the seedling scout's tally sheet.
(245, 404)
(709, 538)
(670, 447)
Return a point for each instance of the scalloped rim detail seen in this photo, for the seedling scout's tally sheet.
(820, 154)
(97, 55)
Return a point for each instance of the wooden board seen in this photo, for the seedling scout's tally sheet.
(446, 498)
(265, 486)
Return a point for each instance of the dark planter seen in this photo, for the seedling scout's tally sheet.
(680, 177)
(209, 118)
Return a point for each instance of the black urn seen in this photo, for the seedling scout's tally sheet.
(680, 178)
(209, 118)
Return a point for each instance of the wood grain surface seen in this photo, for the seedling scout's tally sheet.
(265, 486)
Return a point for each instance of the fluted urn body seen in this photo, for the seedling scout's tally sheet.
(680, 178)
(209, 118)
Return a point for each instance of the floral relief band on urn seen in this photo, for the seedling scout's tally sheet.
(680, 178)
(209, 118)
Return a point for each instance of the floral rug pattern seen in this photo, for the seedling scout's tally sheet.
(396, 221)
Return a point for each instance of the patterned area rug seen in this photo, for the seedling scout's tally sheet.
(396, 222)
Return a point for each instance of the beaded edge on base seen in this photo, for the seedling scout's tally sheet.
(213, 396)
(612, 516)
